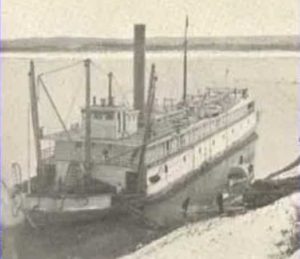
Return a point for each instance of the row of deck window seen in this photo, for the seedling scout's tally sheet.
(171, 145)
(104, 115)
(154, 179)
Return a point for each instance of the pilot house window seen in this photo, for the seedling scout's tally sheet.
(104, 115)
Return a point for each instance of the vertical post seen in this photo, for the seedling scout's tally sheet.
(35, 118)
(142, 170)
(185, 61)
(87, 142)
(139, 70)
(110, 98)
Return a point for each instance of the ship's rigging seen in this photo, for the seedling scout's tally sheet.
(42, 83)
(189, 139)
(87, 140)
(35, 118)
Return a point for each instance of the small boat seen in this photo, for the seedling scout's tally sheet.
(240, 177)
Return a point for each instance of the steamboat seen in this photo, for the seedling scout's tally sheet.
(118, 153)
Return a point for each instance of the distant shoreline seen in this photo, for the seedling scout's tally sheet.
(69, 44)
(159, 49)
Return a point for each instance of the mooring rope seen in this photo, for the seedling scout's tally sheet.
(288, 167)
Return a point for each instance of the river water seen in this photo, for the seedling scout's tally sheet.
(270, 76)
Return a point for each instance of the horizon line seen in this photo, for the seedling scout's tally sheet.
(150, 37)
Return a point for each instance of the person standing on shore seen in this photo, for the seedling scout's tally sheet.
(220, 202)
(185, 206)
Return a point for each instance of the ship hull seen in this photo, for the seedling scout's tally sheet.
(189, 176)
(180, 166)
(41, 218)
(41, 211)
(45, 216)
(190, 162)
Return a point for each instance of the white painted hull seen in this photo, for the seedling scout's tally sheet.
(183, 164)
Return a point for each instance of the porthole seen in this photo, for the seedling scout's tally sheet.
(154, 178)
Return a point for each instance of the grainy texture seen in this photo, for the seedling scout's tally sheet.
(75, 28)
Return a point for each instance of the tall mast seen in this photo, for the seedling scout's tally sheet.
(142, 178)
(185, 60)
(28, 151)
(35, 118)
(87, 142)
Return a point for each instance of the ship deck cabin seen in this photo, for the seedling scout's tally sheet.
(118, 125)
(116, 137)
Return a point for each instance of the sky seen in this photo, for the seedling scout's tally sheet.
(114, 18)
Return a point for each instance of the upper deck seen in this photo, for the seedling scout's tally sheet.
(119, 125)
(174, 127)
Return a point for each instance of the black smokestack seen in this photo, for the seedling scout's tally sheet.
(139, 68)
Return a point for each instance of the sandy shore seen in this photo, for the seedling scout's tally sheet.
(268, 232)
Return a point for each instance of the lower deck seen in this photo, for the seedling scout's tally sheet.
(162, 175)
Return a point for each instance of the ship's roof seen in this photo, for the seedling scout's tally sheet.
(166, 122)
(78, 136)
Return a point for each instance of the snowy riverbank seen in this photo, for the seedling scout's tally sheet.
(267, 232)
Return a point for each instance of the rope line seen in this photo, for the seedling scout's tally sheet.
(74, 99)
(40, 80)
(60, 69)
